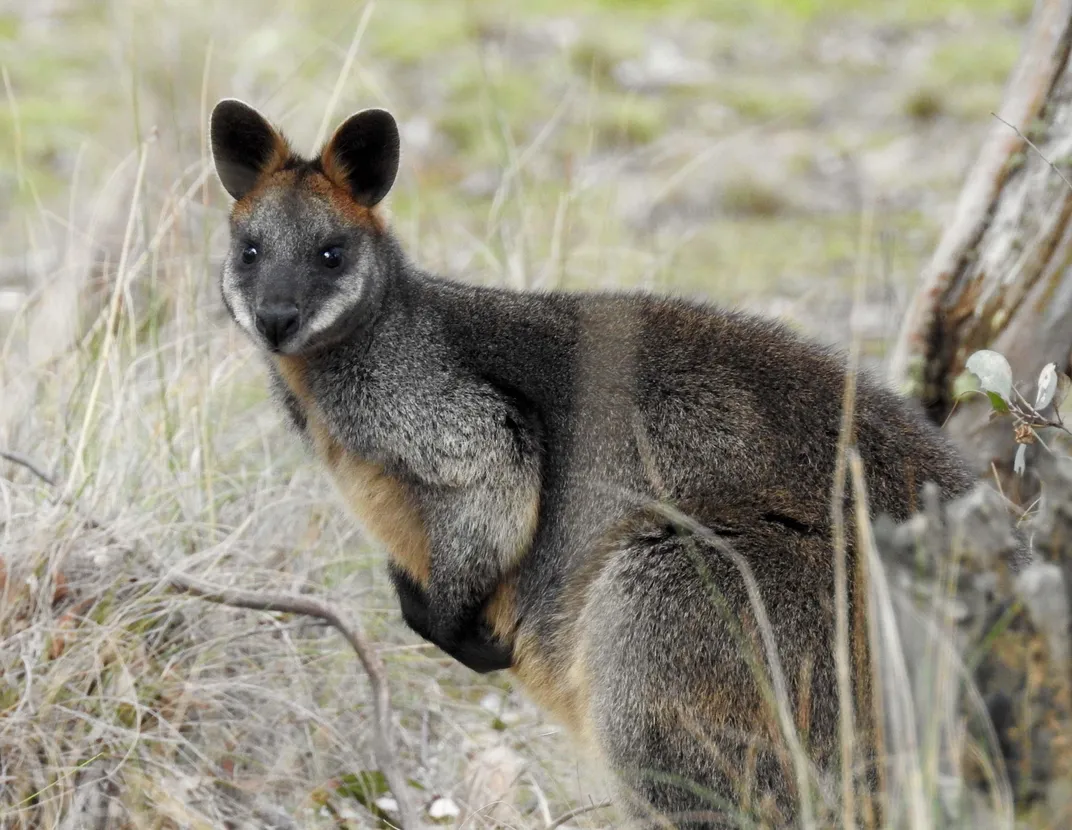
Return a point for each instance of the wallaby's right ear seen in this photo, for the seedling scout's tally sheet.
(244, 146)
(362, 156)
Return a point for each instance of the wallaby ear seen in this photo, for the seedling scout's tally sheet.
(244, 145)
(362, 155)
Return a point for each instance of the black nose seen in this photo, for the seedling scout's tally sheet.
(277, 322)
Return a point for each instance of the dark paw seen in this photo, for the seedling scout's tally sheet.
(485, 653)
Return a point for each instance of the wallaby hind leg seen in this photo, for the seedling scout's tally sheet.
(671, 650)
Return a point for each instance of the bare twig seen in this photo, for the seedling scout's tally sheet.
(1024, 414)
(577, 811)
(1031, 144)
(383, 743)
(29, 464)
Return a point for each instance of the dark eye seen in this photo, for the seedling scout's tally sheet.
(249, 254)
(331, 257)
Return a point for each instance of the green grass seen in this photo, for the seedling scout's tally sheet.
(976, 68)
(925, 103)
(736, 11)
(757, 100)
(976, 60)
(913, 12)
(482, 103)
(623, 120)
(596, 54)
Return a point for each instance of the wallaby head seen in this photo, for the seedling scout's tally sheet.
(305, 262)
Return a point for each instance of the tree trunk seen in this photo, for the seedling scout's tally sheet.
(1001, 276)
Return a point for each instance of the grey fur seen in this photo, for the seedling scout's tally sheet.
(537, 434)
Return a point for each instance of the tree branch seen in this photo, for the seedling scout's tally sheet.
(577, 811)
(383, 743)
(29, 464)
(1031, 144)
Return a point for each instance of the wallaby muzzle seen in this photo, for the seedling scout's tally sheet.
(277, 322)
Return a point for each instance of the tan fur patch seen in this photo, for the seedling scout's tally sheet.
(530, 517)
(271, 178)
(554, 673)
(558, 683)
(380, 502)
(563, 692)
(502, 611)
(336, 171)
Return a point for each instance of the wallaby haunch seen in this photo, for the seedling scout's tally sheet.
(539, 466)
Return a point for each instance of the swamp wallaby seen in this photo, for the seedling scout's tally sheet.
(558, 477)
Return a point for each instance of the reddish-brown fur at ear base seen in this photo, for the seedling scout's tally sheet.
(337, 176)
(370, 220)
(380, 502)
(280, 157)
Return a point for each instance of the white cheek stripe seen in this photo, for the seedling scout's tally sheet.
(346, 296)
(242, 313)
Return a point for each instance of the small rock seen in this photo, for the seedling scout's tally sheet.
(563, 32)
(11, 300)
(442, 808)
(501, 708)
(662, 66)
(492, 703)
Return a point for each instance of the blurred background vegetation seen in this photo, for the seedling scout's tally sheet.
(724, 148)
(762, 153)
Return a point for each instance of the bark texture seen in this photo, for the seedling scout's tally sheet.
(1001, 276)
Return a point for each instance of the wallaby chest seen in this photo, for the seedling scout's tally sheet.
(381, 502)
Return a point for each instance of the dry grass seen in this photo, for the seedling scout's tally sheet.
(168, 457)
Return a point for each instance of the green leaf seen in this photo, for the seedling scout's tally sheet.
(998, 403)
(363, 787)
(993, 371)
(965, 384)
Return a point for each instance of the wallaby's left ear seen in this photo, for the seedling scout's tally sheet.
(362, 155)
(244, 146)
